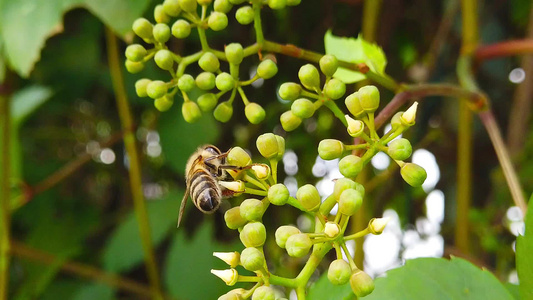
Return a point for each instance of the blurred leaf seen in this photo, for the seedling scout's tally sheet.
(94, 291)
(437, 278)
(26, 24)
(62, 289)
(189, 262)
(513, 289)
(124, 249)
(324, 289)
(355, 51)
(27, 100)
(524, 259)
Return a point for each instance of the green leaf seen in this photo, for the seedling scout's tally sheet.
(26, 24)
(94, 291)
(124, 249)
(524, 260)
(355, 51)
(324, 289)
(188, 265)
(26, 101)
(437, 278)
(513, 290)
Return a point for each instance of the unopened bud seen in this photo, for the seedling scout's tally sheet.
(233, 218)
(253, 234)
(238, 157)
(229, 276)
(267, 69)
(252, 259)
(400, 149)
(290, 91)
(303, 108)
(264, 293)
(191, 111)
(283, 233)
(354, 105)
(408, 117)
(223, 111)
(234, 53)
(160, 15)
(267, 144)
(261, 171)
(278, 194)
(329, 149)
(252, 209)
(355, 127)
(164, 103)
(396, 121)
(234, 186)
(335, 89)
(309, 77)
(207, 101)
(309, 197)
(281, 147)
(289, 121)
(361, 283)
(413, 174)
(369, 98)
(231, 258)
(350, 201)
(298, 245)
(339, 272)
(328, 64)
(332, 229)
(342, 184)
(377, 225)
(350, 166)
(254, 113)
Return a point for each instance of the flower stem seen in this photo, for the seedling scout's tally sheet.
(257, 22)
(5, 195)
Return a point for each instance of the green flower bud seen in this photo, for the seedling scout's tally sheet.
(290, 91)
(293, 2)
(283, 233)
(135, 52)
(413, 174)
(223, 112)
(163, 59)
(186, 83)
(254, 113)
(231, 258)
(328, 64)
(225, 82)
(234, 53)
(369, 98)
(140, 87)
(400, 149)
(350, 201)
(209, 62)
(278, 194)
(161, 33)
(238, 157)
(235, 294)
(229, 276)
(396, 121)
(143, 28)
(355, 127)
(252, 209)
(181, 29)
(298, 245)
(277, 4)
(281, 147)
(267, 69)
(289, 121)
(309, 77)
(361, 283)
(252, 259)
(303, 108)
(223, 6)
(267, 144)
(354, 105)
(253, 234)
(350, 166)
(332, 229)
(335, 89)
(245, 15)
(164, 103)
(205, 81)
(207, 101)
(377, 225)
(217, 21)
(261, 171)
(342, 184)
(409, 116)
(188, 5)
(308, 196)
(134, 67)
(172, 8)
(191, 112)
(233, 218)
(236, 2)
(339, 272)
(156, 89)
(264, 293)
(237, 186)
(160, 15)
(329, 149)
(204, 2)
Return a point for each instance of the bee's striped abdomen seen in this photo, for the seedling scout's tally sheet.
(205, 193)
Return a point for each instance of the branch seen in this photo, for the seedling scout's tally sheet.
(502, 49)
(5, 193)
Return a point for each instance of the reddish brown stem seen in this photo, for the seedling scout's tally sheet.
(501, 49)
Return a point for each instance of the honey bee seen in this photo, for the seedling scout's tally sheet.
(203, 170)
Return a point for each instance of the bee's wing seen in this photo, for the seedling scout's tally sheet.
(182, 206)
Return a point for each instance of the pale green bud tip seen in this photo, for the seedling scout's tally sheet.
(350, 166)
(264, 293)
(303, 108)
(290, 91)
(188, 5)
(224, 82)
(409, 116)
(281, 146)
(277, 4)
(217, 21)
(234, 53)
(163, 59)
(413, 174)
(223, 112)
(252, 259)
(339, 272)
(332, 229)
(268, 146)
(298, 245)
(231, 258)
(283, 233)
(238, 157)
(335, 89)
(289, 121)
(223, 6)
(233, 218)
(143, 28)
(252, 209)
(209, 62)
(329, 149)
(267, 69)
(342, 184)
(245, 15)
(156, 89)
(140, 87)
(135, 52)
(160, 15)
(369, 98)
(186, 83)
(309, 76)
(229, 276)
(235, 186)
(309, 197)
(400, 149)
(354, 105)
(350, 201)
(165, 103)
(254, 113)
(161, 32)
(361, 283)
(261, 171)
(328, 64)
(191, 112)
(253, 234)
(377, 225)
(207, 101)
(235, 294)
(396, 121)
(172, 8)
(355, 127)
(278, 194)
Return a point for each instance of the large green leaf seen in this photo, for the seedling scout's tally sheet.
(524, 259)
(355, 51)
(26, 24)
(324, 289)
(26, 101)
(437, 278)
(124, 249)
(94, 291)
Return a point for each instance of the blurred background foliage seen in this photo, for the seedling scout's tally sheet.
(73, 237)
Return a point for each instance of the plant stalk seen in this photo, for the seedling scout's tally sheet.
(5, 193)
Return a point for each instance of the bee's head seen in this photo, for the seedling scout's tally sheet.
(212, 149)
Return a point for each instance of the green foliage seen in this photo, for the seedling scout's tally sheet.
(524, 261)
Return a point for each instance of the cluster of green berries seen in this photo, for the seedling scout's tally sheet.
(260, 180)
(362, 104)
(177, 18)
(309, 95)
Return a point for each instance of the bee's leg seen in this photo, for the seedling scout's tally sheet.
(182, 206)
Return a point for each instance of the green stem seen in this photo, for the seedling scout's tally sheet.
(336, 111)
(371, 11)
(139, 204)
(5, 194)
(243, 96)
(203, 39)
(187, 60)
(357, 235)
(257, 22)
(300, 292)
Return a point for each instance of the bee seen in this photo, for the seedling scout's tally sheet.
(204, 169)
